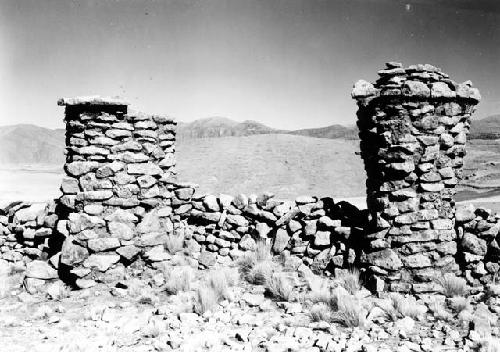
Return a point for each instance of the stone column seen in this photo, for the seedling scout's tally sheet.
(118, 188)
(413, 124)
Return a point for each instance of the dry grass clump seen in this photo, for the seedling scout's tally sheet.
(5, 286)
(319, 289)
(179, 279)
(458, 304)
(216, 288)
(439, 311)
(206, 299)
(490, 345)
(257, 267)
(174, 243)
(401, 307)
(347, 310)
(349, 279)
(453, 286)
(279, 286)
(320, 312)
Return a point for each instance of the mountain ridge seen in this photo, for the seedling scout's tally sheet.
(27, 143)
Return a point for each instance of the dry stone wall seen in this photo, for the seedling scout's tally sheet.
(323, 234)
(413, 126)
(118, 189)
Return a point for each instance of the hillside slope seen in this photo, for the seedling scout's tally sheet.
(487, 128)
(31, 144)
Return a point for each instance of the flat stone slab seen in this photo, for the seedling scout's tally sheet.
(92, 100)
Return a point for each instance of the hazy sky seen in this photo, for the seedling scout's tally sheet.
(286, 63)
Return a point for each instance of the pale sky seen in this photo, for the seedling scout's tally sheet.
(286, 63)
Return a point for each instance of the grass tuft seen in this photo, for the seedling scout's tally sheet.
(280, 287)
(179, 279)
(320, 312)
(349, 279)
(174, 243)
(347, 310)
(453, 286)
(206, 299)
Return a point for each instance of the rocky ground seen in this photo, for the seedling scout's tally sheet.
(263, 305)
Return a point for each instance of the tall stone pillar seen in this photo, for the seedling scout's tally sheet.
(413, 124)
(118, 188)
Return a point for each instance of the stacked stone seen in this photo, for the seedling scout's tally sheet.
(28, 232)
(413, 125)
(317, 231)
(478, 244)
(119, 168)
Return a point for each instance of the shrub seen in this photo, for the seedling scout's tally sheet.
(206, 299)
(452, 286)
(349, 279)
(279, 286)
(174, 243)
(179, 279)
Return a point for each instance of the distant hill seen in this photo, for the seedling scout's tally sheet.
(331, 132)
(221, 127)
(31, 144)
(487, 128)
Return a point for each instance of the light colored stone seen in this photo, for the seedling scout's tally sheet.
(38, 269)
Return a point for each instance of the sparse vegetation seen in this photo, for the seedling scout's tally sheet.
(452, 286)
(347, 310)
(349, 279)
(320, 290)
(439, 311)
(174, 243)
(320, 312)
(257, 267)
(279, 286)
(404, 307)
(179, 279)
(206, 299)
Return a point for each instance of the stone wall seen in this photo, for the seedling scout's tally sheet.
(322, 233)
(413, 125)
(118, 190)
(478, 241)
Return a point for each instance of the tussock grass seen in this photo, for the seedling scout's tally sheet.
(5, 285)
(404, 307)
(179, 279)
(458, 304)
(207, 299)
(257, 267)
(490, 345)
(279, 287)
(349, 279)
(347, 310)
(174, 243)
(320, 290)
(320, 312)
(452, 286)
(217, 281)
(439, 311)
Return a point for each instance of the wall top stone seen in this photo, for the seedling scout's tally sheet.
(95, 100)
(415, 82)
